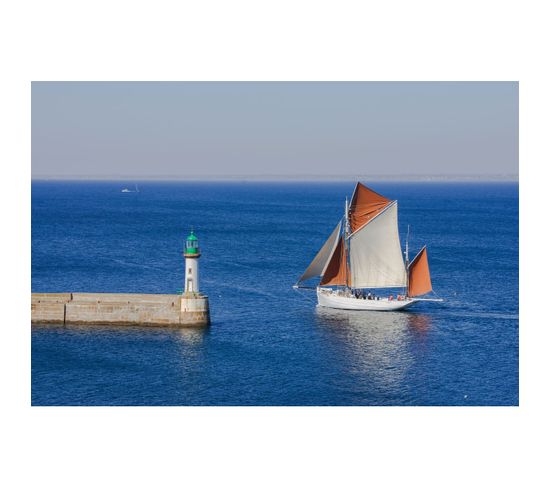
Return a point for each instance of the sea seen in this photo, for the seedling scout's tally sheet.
(268, 343)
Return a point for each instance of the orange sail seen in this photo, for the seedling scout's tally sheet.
(419, 275)
(365, 205)
(337, 270)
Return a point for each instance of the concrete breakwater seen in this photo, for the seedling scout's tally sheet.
(187, 310)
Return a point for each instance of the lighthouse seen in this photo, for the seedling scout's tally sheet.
(194, 305)
(192, 254)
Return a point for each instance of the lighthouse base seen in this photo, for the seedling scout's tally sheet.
(195, 309)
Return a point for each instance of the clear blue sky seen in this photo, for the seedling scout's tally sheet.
(311, 129)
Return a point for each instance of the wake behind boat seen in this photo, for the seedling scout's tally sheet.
(364, 253)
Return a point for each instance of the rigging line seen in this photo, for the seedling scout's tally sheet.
(307, 296)
(356, 205)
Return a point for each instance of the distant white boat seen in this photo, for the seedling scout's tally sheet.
(364, 253)
(126, 190)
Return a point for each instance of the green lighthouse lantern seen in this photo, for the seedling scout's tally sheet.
(192, 245)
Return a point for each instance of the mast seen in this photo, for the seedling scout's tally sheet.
(346, 217)
(346, 241)
(407, 259)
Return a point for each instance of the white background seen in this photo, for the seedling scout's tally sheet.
(268, 40)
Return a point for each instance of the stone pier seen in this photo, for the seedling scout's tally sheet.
(188, 310)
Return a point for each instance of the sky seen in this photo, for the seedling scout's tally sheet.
(274, 129)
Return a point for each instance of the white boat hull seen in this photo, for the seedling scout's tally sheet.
(332, 299)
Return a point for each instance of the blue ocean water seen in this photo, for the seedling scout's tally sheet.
(268, 344)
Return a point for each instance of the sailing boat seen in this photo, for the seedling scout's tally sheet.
(125, 190)
(364, 253)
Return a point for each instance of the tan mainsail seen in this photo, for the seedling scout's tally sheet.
(365, 205)
(419, 275)
(337, 272)
(376, 260)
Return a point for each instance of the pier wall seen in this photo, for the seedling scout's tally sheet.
(119, 309)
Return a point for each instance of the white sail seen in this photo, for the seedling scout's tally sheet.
(375, 253)
(319, 264)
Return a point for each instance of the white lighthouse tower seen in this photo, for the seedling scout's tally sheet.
(192, 254)
(194, 305)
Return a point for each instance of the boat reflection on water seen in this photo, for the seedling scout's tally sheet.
(419, 324)
(379, 347)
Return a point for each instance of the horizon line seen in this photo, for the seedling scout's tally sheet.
(281, 178)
